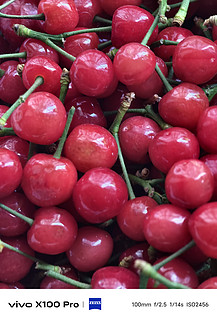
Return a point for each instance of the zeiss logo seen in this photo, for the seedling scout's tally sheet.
(95, 303)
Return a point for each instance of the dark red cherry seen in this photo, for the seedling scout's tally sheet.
(194, 256)
(87, 10)
(17, 145)
(99, 195)
(114, 278)
(210, 283)
(110, 6)
(54, 230)
(4, 286)
(189, 183)
(52, 283)
(211, 161)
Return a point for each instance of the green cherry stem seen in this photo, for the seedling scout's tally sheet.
(162, 26)
(17, 214)
(39, 16)
(210, 91)
(104, 45)
(31, 150)
(64, 81)
(102, 20)
(163, 42)
(7, 132)
(180, 16)
(153, 26)
(13, 55)
(162, 11)
(2, 72)
(154, 116)
(163, 78)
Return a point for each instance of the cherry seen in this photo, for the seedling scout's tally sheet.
(183, 105)
(172, 145)
(189, 183)
(178, 271)
(89, 146)
(68, 205)
(4, 286)
(15, 285)
(114, 278)
(57, 12)
(92, 72)
(110, 6)
(72, 93)
(10, 172)
(52, 283)
(91, 249)
(137, 132)
(202, 226)
(87, 10)
(210, 283)
(17, 145)
(48, 181)
(206, 130)
(3, 109)
(173, 233)
(194, 256)
(13, 265)
(99, 195)
(177, 34)
(40, 119)
(130, 24)
(53, 231)
(10, 225)
(211, 161)
(195, 60)
(134, 63)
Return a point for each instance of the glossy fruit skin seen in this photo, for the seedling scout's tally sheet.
(178, 271)
(183, 105)
(89, 146)
(54, 230)
(55, 13)
(40, 119)
(13, 265)
(211, 161)
(178, 34)
(48, 181)
(202, 226)
(189, 184)
(17, 145)
(205, 134)
(52, 283)
(99, 195)
(173, 233)
(46, 68)
(11, 80)
(134, 63)
(130, 24)
(132, 215)
(87, 10)
(91, 249)
(195, 60)
(137, 132)
(92, 72)
(210, 283)
(10, 172)
(110, 6)
(172, 145)
(114, 278)
(10, 225)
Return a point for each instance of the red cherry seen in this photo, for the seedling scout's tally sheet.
(91, 249)
(203, 226)
(40, 119)
(52, 283)
(195, 60)
(189, 183)
(48, 181)
(134, 63)
(4, 286)
(3, 109)
(87, 10)
(57, 12)
(110, 6)
(171, 145)
(10, 172)
(194, 256)
(210, 283)
(211, 161)
(72, 93)
(114, 278)
(173, 233)
(99, 195)
(17, 145)
(54, 230)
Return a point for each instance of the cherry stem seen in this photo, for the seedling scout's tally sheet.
(147, 270)
(162, 11)
(163, 42)
(103, 20)
(64, 81)
(210, 91)
(38, 81)
(2, 72)
(163, 78)
(4, 5)
(104, 45)
(13, 55)
(180, 16)
(59, 149)
(125, 104)
(39, 16)
(17, 214)
(31, 150)
(7, 132)
(199, 22)
(169, 23)
(154, 116)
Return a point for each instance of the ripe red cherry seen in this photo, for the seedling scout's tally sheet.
(183, 105)
(91, 249)
(10, 172)
(114, 278)
(171, 145)
(54, 230)
(173, 233)
(72, 93)
(189, 183)
(130, 24)
(195, 60)
(210, 283)
(134, 63)
(203, 226)
(206, 130)
(132, 215)
(110, 6)
(89, 146)
(13, 265)
(17, 145)
(137, 132)
(87, 10)
(99, 195)
(48, 181)
(52, 283)
(92, 72)
(56, 13)
(211, 161)
(40, 119)
(178, 271)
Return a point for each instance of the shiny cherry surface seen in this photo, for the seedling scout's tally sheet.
(17, 145)
(210, 283)
(211, 161)
(87, 10)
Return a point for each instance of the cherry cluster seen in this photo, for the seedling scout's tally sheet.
(108, 144)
